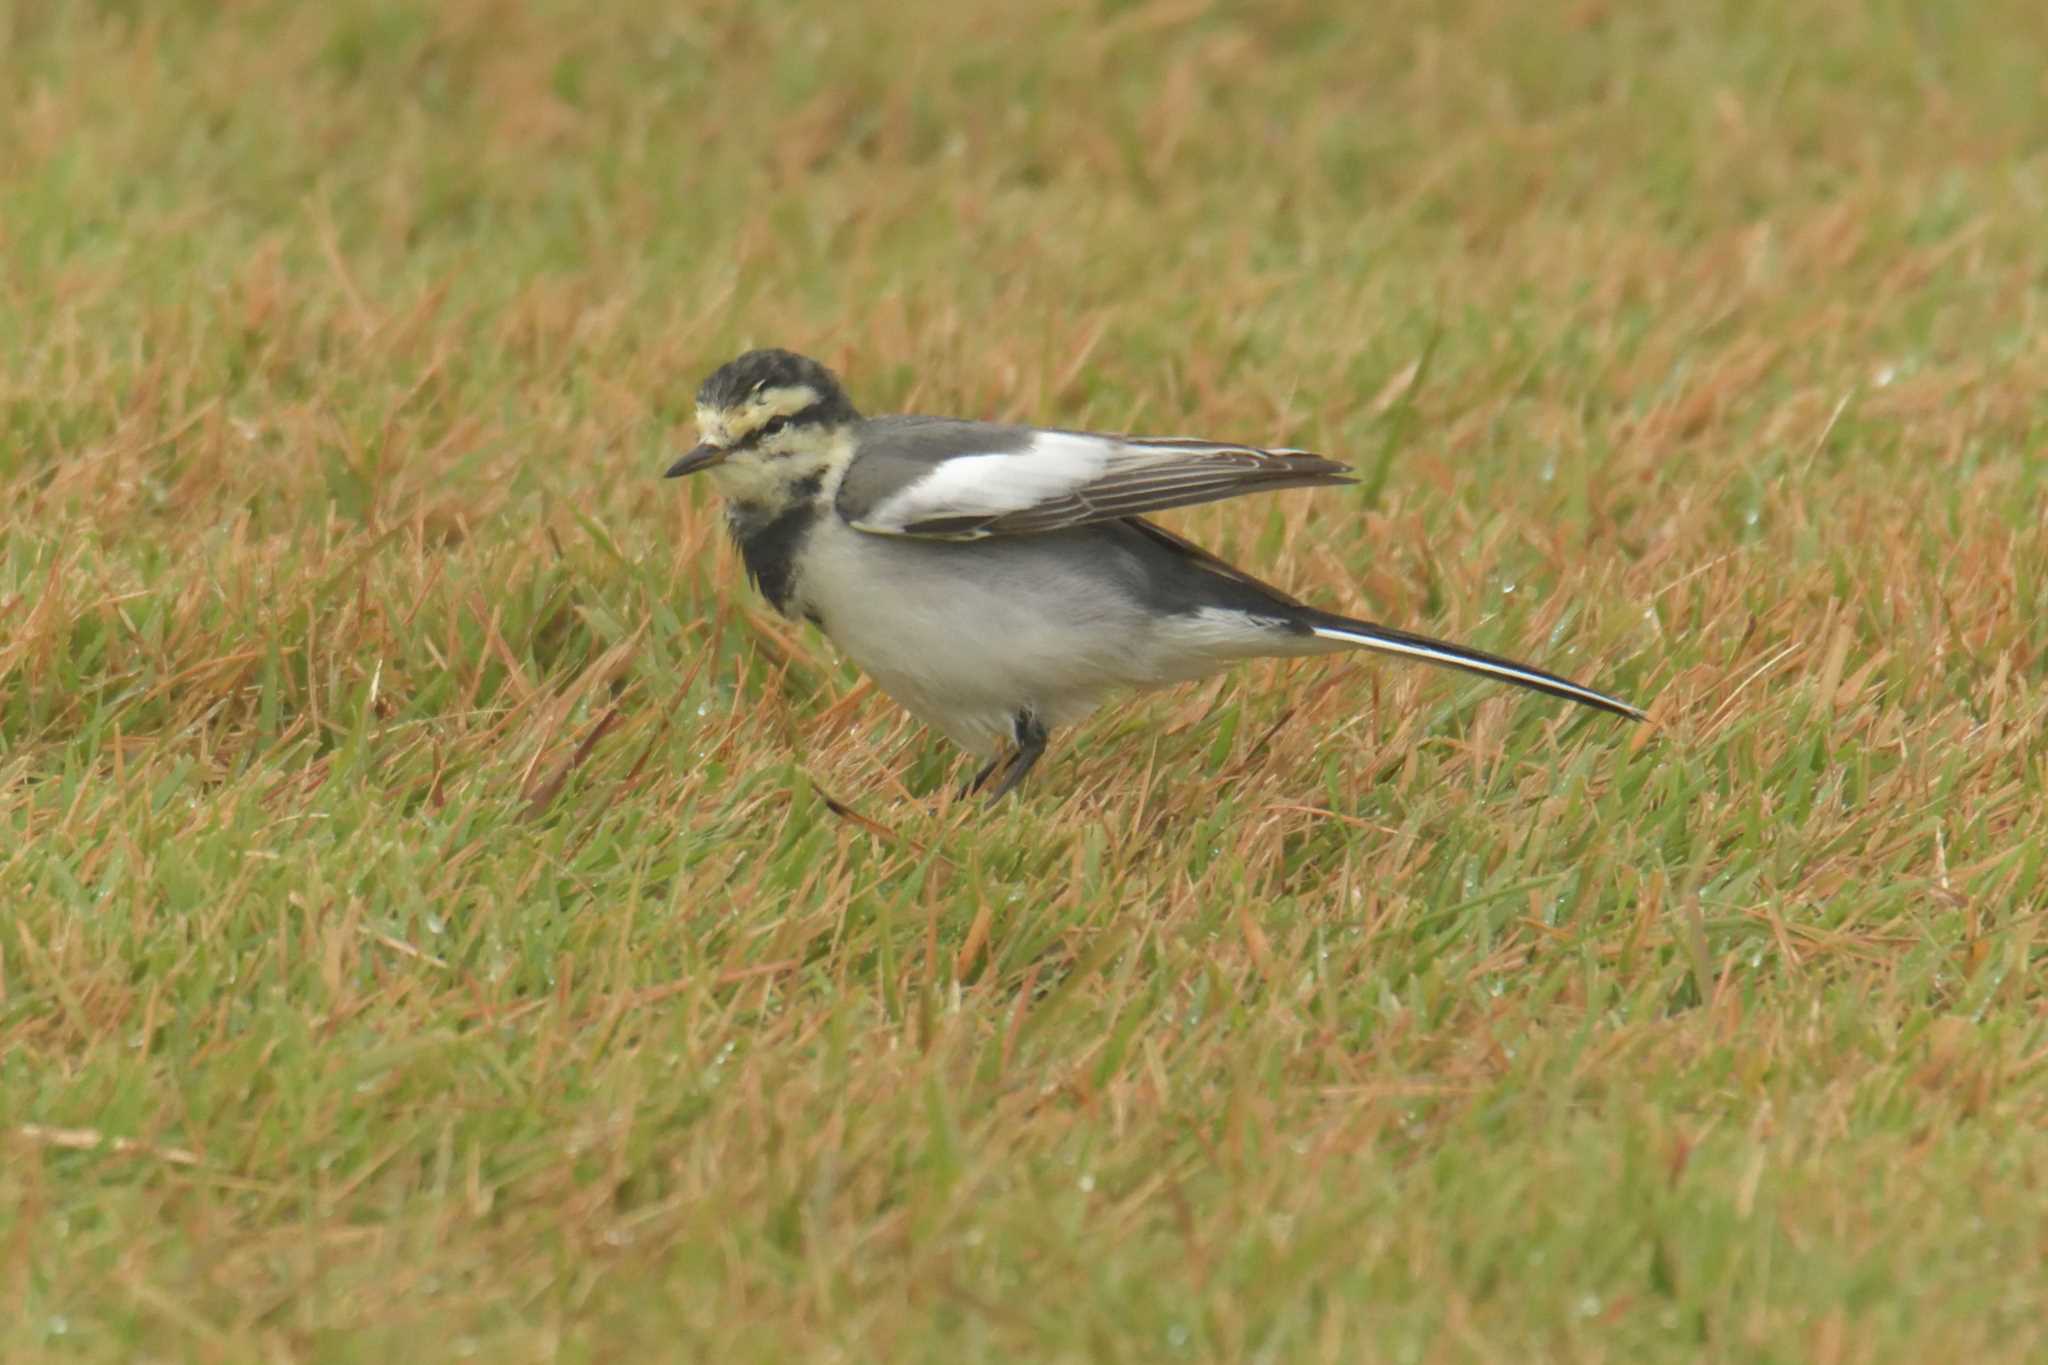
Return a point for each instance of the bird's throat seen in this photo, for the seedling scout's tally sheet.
(771, 536)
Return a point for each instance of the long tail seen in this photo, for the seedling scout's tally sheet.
(1386, 640)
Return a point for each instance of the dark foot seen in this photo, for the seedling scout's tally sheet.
(1031, 736)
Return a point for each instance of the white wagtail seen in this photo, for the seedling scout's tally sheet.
(999, 580)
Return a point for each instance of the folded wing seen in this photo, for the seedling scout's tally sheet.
(966, 480)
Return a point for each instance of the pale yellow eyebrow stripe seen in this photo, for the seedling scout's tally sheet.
(728, 426)
(787, 401)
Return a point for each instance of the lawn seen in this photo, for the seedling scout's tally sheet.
(444, 913)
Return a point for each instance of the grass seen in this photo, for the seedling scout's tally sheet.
(443, 914)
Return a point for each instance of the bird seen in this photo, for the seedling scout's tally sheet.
(1001, 581)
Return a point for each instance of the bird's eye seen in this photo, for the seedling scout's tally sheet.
(772, 425)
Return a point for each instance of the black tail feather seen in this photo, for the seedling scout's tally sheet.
(1387, 640)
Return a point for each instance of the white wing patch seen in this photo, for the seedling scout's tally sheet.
(1054, 465)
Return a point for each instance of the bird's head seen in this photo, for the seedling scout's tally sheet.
(765, 422)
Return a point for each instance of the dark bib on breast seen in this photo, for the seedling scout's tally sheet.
(769, 545)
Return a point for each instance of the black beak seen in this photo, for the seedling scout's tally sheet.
(703, 457)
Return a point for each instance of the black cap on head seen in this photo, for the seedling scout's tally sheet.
(735, 381)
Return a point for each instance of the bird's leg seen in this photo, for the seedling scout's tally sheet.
(1031, 736)
(980, 779)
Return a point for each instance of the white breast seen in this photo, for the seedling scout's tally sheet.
(964, 635)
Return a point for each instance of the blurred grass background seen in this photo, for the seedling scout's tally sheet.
(423, 931)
